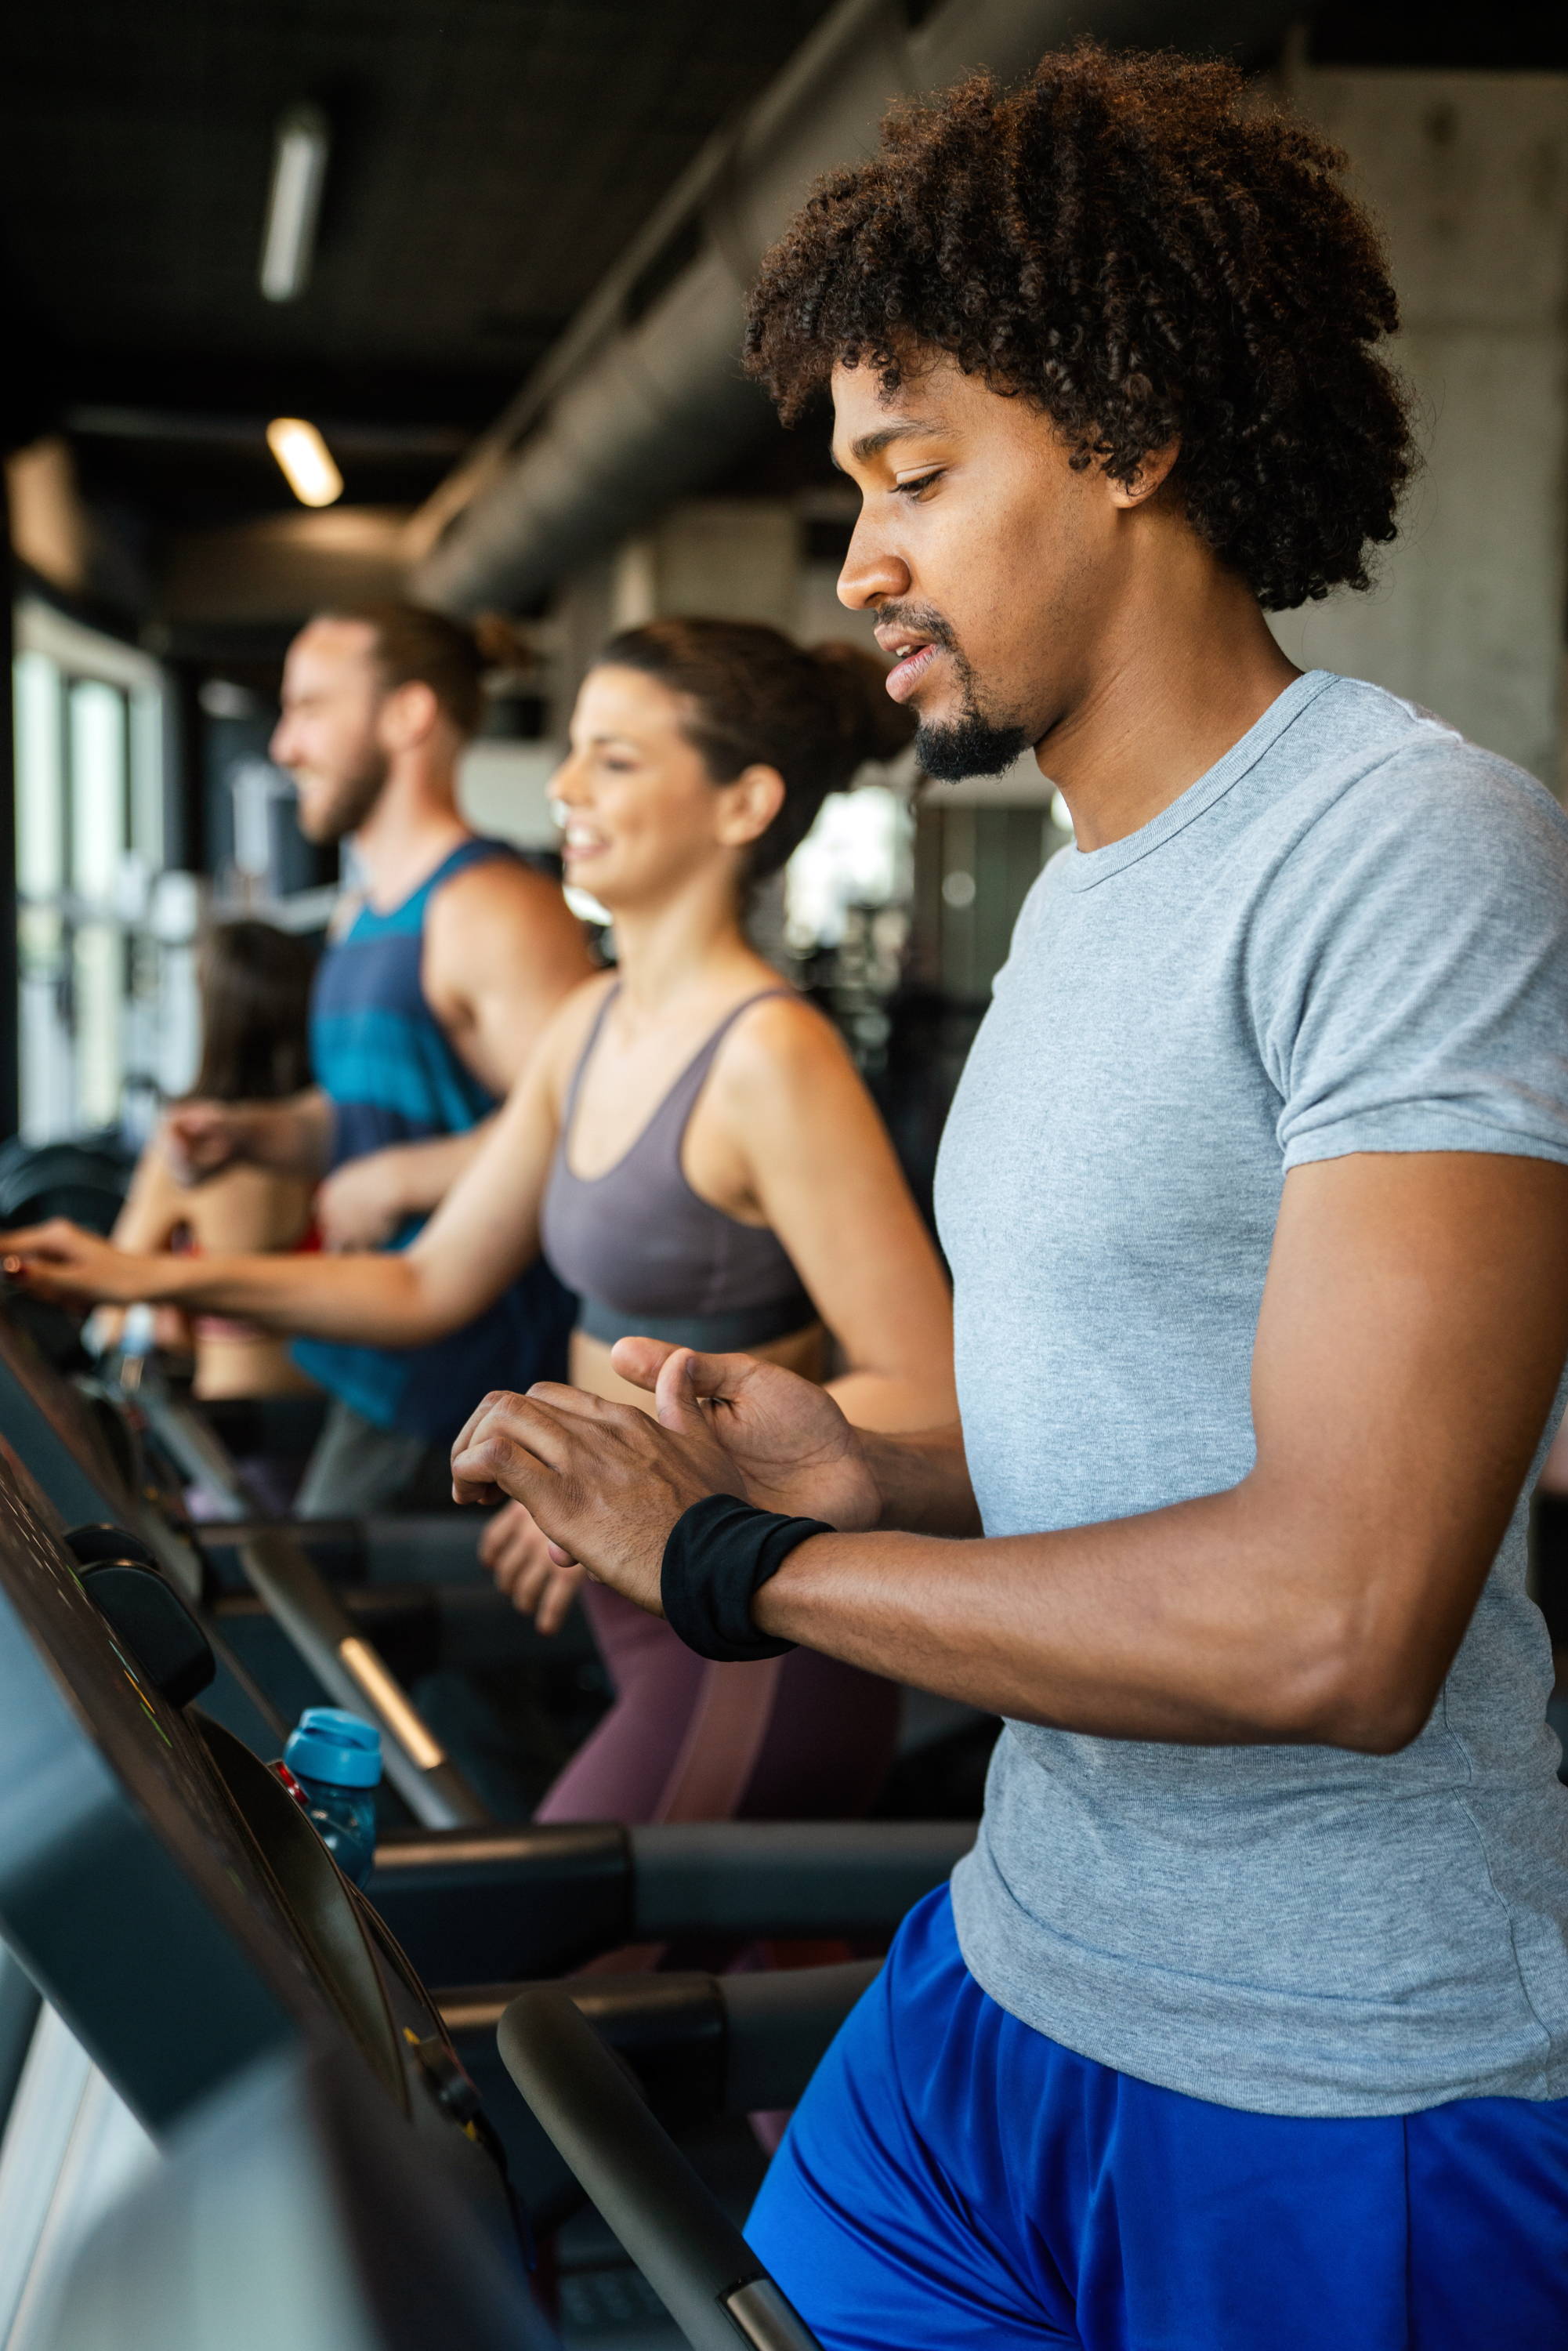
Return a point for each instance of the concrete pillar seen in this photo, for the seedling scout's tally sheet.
(1468, 174)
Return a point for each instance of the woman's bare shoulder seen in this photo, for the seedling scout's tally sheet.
(568, 1028)
(781, 1035)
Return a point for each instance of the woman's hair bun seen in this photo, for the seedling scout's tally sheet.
(874, 726)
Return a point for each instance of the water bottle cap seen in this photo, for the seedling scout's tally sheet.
(331, 1745)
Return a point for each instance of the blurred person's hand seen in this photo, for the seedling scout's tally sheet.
(514, 1548)
(361, 1203)
(60, 1260)
(290, 1138)
(199, 1138)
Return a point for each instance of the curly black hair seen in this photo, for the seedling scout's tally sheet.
(1137, 246)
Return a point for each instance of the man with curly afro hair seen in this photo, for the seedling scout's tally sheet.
(1245, 2025)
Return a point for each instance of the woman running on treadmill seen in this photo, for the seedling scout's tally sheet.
(693, 1149)
(253, 982)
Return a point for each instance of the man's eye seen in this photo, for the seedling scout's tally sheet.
(918, 482)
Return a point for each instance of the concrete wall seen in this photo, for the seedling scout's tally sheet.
(735, 559)
(504, 790)
(1468, 173)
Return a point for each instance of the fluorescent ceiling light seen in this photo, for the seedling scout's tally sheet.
(294, 203)
(305, 460)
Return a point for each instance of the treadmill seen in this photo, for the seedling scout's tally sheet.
(330, 2166)
(86, 1456)
(478, 1905)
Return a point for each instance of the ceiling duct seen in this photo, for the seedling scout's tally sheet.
(642, 400)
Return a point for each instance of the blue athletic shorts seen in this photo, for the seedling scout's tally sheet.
(953, 2178)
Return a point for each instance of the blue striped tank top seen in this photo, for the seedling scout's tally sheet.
(386, 1064)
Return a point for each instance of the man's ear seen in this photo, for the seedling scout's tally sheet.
(409, 715)
(1153, 469)
(750, 804)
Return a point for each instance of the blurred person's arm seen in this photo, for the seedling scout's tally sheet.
(154, 1205)
(154, 1209)
(288, 1138)
(480, 1239)
(362, 1203)
(502, 949)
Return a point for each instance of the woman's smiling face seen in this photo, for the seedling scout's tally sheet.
(641, 815)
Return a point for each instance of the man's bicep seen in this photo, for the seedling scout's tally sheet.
(1412, 1336)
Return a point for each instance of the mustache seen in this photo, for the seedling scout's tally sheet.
(921, 621)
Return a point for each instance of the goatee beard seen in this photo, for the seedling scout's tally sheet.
(970, 745)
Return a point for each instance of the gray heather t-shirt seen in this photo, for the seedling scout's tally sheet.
(1350, 935)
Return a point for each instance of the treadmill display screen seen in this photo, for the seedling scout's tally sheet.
(118, 1843)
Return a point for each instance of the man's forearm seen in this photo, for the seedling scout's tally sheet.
(427, 1171)
(1207, 1624)
(292, 1138)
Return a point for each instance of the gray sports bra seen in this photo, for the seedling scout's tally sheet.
(646, 1253)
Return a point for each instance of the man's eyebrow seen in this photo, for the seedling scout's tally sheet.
(872, 444)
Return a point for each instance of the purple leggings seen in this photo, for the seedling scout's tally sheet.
(794, 1738)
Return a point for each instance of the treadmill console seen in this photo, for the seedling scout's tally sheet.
(168, 1895)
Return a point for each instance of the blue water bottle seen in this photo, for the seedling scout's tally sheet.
(337, 1759)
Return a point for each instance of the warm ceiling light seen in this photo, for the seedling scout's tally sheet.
(305, 460)
(294, 203)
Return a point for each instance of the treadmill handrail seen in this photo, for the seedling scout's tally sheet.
(429, 1784)
(696, 2261)
(788, 1877)
(299, 1597)
(491, 1905)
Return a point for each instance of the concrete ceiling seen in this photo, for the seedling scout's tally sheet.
(489, 160)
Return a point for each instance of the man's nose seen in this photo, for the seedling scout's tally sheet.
(873, 572)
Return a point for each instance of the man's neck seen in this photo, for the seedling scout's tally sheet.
(1187, 669)
(413, 826)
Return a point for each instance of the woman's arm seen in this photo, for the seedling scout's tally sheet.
(155, 1207)
(485, 1232)
(820, 1169)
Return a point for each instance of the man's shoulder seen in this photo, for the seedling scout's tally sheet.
(494, 875)
(1376, 777)
(1405, 874)
(497, 902)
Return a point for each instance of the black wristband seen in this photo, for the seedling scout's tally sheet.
(717, 1553)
